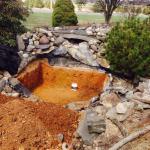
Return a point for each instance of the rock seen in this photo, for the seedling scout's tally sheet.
(94, 48)
(109, 99)
(89, 32)
(7, 89)
(44, 40)
(60, 137)
(65, 146)
(43, 31)
(49, 33)
(28, 35)
(101, 110)
(9, 59)
(13, 82)
(60, 51)
(92, 42)
(78, 37)
(83, 54)
(20, 43)
(121, 108)
(90, 126)
(25, 55)
(59, 40)
(95, 123)
(57, 28)
(43, 47)
(30, 42)
(83, 132)
(22, 90)
(15, 94)
(97, 30)
(2, 84)
(52, 39)
(112, 112)
(36, 43)
(6, 74)
(30, 48)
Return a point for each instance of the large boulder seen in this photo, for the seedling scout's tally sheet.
(9, 59)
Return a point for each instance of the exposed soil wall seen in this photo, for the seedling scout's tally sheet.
(31, 77)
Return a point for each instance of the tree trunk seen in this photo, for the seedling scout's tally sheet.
(108, 16)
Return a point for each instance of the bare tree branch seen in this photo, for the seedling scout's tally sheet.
(130, 138)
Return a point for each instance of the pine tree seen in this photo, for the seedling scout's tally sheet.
(12, 14)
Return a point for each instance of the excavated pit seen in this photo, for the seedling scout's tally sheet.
(53, 83)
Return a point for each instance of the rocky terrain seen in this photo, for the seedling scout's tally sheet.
(119, 112)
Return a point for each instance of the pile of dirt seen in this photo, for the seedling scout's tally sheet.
(31, 125)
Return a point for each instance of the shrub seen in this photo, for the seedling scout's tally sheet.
(128, 48)
(63, 14)
(11, 17)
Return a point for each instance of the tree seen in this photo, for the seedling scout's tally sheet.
(64, 14)
(38, 4)
(12, 14)
(97, 7)
(128, 48)
(29, 3)
(81, 3)
(109, 6)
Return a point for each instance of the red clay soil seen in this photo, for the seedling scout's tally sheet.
(28, 125)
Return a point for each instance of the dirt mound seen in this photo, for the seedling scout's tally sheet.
(34, 125)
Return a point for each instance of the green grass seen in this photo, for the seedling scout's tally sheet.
(45, 19)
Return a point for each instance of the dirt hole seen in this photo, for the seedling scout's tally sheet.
(53, 83)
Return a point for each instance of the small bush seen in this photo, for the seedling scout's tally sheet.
(128, 48)
(63, 14)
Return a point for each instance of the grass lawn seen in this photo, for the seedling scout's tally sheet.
(44, 19)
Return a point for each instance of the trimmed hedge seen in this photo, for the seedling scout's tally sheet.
(64, 14)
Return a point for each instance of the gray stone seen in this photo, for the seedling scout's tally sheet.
(20, 43)
(59, 40)
(7, 89)
(94, 48)
(121, 108)
(13, 82)
(83, 132)
(90, 127)
(6, 74)
(89, 32)
(112, 113)
(95, 123)
(43, 31)
(60, 51)
(43, 47)
(30, 47)
(25, 55)
(78, 37)
(15, 94)
(2, 84)
(36, 43)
